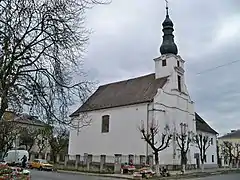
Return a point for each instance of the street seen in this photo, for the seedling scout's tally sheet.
(42, 175)
(221, 177)
(45, 175)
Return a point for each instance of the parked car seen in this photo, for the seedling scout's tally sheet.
(14, 157)
(40, 164)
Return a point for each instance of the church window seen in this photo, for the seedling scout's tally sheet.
(164, 62)
(178, 64)
(105, 124)
(179, 83)
(211, 141)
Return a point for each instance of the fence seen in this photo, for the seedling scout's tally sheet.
(109, 164)
(100, 163)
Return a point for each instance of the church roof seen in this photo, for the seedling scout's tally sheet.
(132, 91)
(201, 125)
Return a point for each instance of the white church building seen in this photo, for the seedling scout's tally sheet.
(118, 109)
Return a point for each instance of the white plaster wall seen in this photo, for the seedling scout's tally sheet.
(171, 62)
(177, 108)
(212, 150)
(124, 136)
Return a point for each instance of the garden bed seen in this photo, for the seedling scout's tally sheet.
(10, 173)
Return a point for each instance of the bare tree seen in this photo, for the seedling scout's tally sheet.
(236, 153)
(231, 151)
(28, 136)
(183, 140)
(59, 141)
(8, 133)
(43, 138)
(42, 43)
(157, 145)
(203, 143)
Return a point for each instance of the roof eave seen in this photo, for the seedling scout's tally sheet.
(97, 109)
(212, 132)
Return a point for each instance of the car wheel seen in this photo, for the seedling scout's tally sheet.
(40, 168)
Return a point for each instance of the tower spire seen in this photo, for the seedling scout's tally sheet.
(168, 45)
(166, 7)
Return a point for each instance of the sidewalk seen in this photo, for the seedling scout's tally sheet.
(174, 174)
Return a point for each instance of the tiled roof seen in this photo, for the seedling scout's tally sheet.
(201, 125)
(27, 119)
(234, 134)
(132, 91)
(22, 118)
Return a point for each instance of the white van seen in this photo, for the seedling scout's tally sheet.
(15, 156)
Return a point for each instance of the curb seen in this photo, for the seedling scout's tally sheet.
(174, 177)
(93, 174)
(200, 175)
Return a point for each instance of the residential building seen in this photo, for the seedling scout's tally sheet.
(211, 158)
(230, 140)
(36, 144)
(118, 109)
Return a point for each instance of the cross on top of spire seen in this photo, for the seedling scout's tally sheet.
(166, 6)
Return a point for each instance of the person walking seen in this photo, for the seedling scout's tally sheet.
(24, 160)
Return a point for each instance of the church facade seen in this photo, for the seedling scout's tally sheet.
(118, 109)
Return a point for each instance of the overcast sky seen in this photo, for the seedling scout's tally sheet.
(127, 36)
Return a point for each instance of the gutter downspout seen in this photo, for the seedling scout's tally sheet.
(147, 129)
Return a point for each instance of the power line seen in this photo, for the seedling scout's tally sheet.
(217, 67)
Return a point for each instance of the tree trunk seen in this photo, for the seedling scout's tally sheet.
(202, 165)
(183, 168)
(157, 163)
(230, 162)
(3, 104)
(183, 162)
(237, 164)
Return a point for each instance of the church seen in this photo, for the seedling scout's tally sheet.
(118, 109)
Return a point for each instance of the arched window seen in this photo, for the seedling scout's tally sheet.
(105, 124)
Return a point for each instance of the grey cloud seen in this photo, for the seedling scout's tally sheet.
(127, 36)
(218, 92)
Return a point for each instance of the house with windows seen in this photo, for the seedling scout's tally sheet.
(229, 141)
(211, 158)
(118, 109)
(23, 132)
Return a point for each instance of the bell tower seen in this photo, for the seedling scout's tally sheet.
(169, 63)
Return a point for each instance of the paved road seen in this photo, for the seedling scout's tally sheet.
(221, 177)
(45, 175)
(42, 175)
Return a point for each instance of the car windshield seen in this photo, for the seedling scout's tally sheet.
(43, 161)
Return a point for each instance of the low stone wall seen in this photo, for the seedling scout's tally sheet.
(110, 164)
(210, 166)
